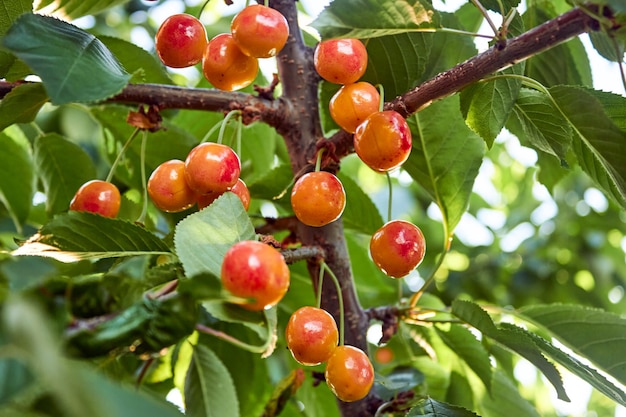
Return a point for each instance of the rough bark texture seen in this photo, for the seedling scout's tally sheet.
(295, 116)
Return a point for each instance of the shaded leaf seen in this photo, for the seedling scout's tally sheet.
(14, 377)
(591, 333)
(62, 167)
(202, 239)
(75, 235)
(354, 18)
(463, 343)
(73, 9)
(402, 378)
(73, 65)
(445, 158)
(9, 11)
(209, 387)
(598, 143)
(360, 213)
(506, 400)
(535, 119)
(17, 176)
(495, 5)
(22, 104)
(432, 408)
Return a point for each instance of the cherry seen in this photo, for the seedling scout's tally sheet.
(397, 248)
(96, 196)
(254, 270)
(384, 355)
(311, 335)
(168, 188)
(318, 198)
(212, 168)
(180, 41)
(340, 61)
(349, 373)
(240, 189)
(353, 103)
(226, 66)
(260, 31)
(383, 141)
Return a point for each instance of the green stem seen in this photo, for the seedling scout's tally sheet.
(320, 281)
(416, 296)
(210, 132)
(202, 8)
(381, 92)
(332, 275)
(144, 186)
(120, 154)
(390, 199)
(485, 14)
(229, 116)
(318, 160)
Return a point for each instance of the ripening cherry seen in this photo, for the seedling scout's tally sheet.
(353, 103)
(349, 373)
(383, 141)
(226, 66)
(257, 271)
(212, 168)
(260, 31)
(240, 189)
(180, 41)
(397, 248)
(97, 196)
(340, 61)
(168, 188)
(311, 335)
(318, 198)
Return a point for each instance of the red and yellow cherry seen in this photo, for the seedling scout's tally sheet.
(383, 141)
(340, 61)
(311, 335)
(225, 66)
(181, 41)
(240, 189)
(383, 355)
(353, 103)
(255, 271)
(349, 373)
(260, 31)
(397, 248)
(212, 168)
(318, 198)
(96, 196)
(168, 188)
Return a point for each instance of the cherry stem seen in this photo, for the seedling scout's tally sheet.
(210, 132)
(143, 372)
(416, 296)
(230, 115)
(230, 339)
(120, 154)
(318, 160)
(390, 200)
(332, 275)
(206, 3)
(144, 186)
(320, 282)
(484, 12)
(238, 135)
(381, 92)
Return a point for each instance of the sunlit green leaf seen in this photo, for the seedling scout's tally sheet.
(62, 167)
(73, 64)
(495, 5)
(353, 18)
(76, 8)
(506, 400)
(202, 239)
(16, 174)
(22, 104)
(445, 158)
(8, 13)
(209, 388)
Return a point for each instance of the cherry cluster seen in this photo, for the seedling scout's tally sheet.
(229, 60)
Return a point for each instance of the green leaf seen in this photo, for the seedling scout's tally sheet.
(372, 18)
(598, 143)
(209, 387)
(506, 400)
(462, 342)
(591, 333)
(475, 316)
(228, 312)
(17, 176)
(486, 105)
(360, 213)
(75, 235)
(73, 65)
(144, 66)
(14, 377)
(76, 8)
(578, 368)
(397, 61)
(402, 378)
(9, 12)
(432, 408)
(445, 158)
(495, 5)
(535, 119)
(273, 184)
(62, 167)
(22, 104)
(202, 239)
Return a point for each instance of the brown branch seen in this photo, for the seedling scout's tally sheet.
(303, 253)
